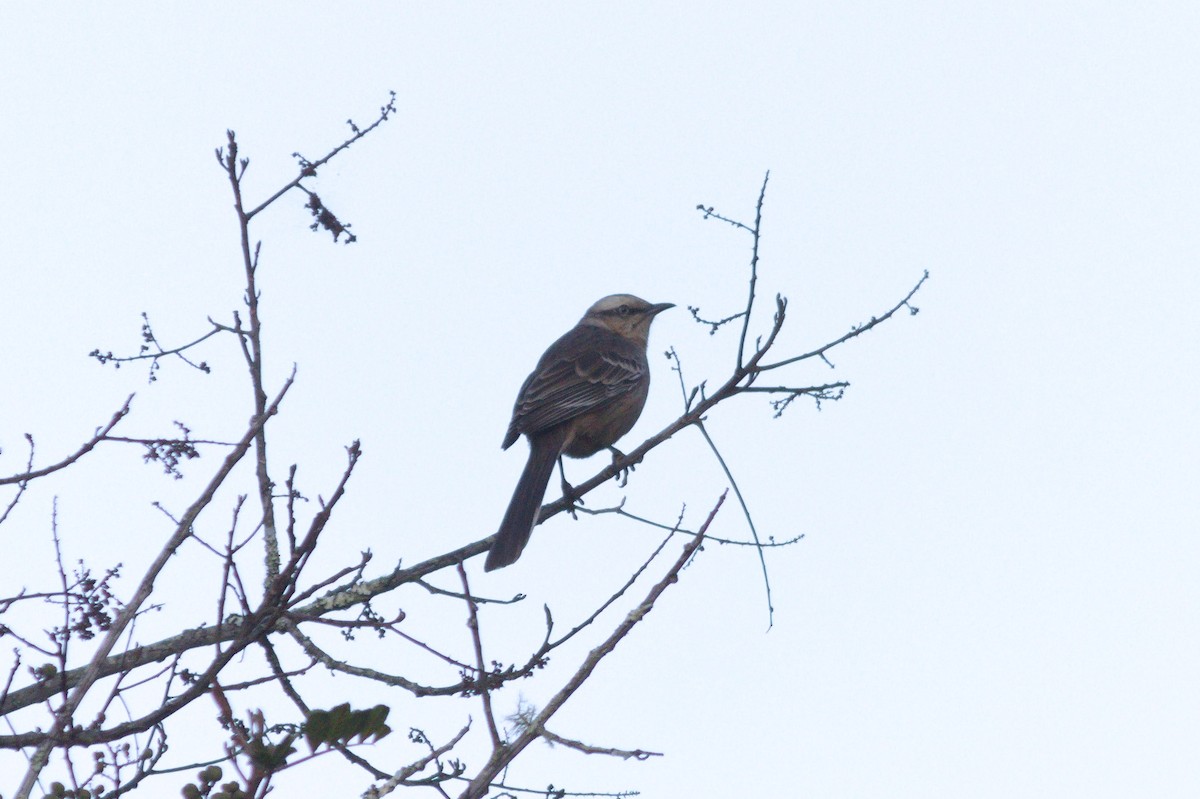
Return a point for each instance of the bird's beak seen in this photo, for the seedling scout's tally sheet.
(655, 310)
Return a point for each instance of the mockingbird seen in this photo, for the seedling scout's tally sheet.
(586, 392)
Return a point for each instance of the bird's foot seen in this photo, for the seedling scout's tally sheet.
(622, 476)
(573, 499)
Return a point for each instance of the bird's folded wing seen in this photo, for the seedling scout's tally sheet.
(564, 389)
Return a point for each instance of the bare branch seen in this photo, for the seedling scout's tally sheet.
(762, 194)
(762, 561)
(588, 749)
(100, 435)
(620, 591)
(148, 339)
(504, 755)
(308, 168)
(64, 715)
(403, 775)
(481, 682)
(855, 331)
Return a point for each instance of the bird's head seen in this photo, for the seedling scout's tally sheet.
(625, 315)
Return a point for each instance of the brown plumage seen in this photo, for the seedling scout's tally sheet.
(586, 392)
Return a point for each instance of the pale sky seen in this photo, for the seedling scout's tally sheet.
(998, 592)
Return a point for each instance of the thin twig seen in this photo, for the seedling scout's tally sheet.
(588, 749)
(309, 168)
(502, 756)
(484, 688)
(182, 531)
(855, 331)
(762, 560)
(84, 449)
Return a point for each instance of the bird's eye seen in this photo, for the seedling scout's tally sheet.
(623, 310)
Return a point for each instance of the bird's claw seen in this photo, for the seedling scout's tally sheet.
(622, 476)
(573, 501)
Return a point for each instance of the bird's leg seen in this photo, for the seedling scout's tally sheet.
(623, 475)
(568, 490)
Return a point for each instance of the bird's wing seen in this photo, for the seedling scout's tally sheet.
(563, 388)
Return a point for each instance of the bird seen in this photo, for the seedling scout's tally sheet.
(587, 390)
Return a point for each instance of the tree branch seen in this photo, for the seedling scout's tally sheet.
(64, 715)
(87, 447)
(505, 754)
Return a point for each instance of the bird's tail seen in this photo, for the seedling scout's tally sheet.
(523, 508)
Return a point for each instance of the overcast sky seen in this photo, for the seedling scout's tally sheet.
(998, 592)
